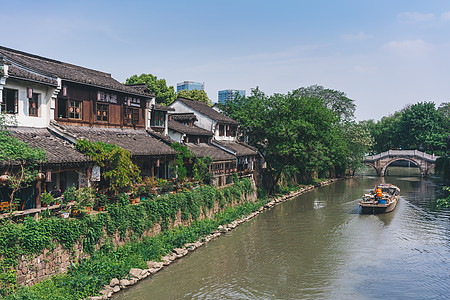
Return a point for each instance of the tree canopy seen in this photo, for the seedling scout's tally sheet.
(335, 100)
(163, 94)
(118, 169)
(198, 95)
(419, 126)
(18, 158)
(298, 134)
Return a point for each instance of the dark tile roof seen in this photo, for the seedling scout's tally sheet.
(180, 117)
(241, 149)
(164, 138)
(14, 71)
(58, 150)
(158, 106)
(65, 71)
(142, 87)
(138, 142)
(203, 149)
(195, 130)
(204, 109)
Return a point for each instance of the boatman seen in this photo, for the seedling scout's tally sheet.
(378, 193)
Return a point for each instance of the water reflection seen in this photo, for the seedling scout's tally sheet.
(319, 247)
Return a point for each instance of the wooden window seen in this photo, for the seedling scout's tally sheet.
(231, 131)
(10, 101)
(62, 108)
(33, 105)
(75, 109)
(221, 130)
(158, 119)
(132, 116)
(102, 112)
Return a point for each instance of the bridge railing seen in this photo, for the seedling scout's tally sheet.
(402, 153)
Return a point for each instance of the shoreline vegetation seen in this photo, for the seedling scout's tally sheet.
(110, 269)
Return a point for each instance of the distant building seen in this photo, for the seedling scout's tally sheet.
(226, 95)
(190, 85)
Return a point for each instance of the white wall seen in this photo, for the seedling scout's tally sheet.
(44, 111)
(176, 136)
(203, 121)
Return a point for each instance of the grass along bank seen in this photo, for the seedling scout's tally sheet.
(25, 246)
(90, 275)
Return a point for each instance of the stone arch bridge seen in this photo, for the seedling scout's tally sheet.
(425, 162)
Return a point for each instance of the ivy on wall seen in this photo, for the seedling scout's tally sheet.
(130, 221)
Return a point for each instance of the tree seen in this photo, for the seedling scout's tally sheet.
(418, 126)
(115, 161)
(163, 94)
(183, 155)
(19, 160)
(335, 100)
(359, 140)
(198, 95)
(297, 135)
(386, 133)
(422, 127)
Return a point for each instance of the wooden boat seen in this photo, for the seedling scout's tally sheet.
(370, 203)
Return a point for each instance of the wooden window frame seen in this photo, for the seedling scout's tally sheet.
(33, 111)
(102, 112)
(4, 105)
(132, 115)
(73, 114)
(156, 116)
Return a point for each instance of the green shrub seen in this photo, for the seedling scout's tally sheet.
(86, 278)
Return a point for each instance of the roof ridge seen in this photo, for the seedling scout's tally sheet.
(34, 56)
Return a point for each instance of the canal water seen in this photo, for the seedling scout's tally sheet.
(319, 246)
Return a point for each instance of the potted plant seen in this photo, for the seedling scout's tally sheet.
(70, 195)
(46, 199)
(134, 197)
(84, 201)
(141, 192)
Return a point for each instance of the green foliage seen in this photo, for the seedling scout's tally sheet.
(420, 126)
(163, 94)
(197, 95)
(118, 169)
(183, 155)
(299, 133)
(88, 276)
(443, 166)
(21, 160)
(33, 236)
(47, 198)
(444, 202)
(70, 194)
(337, 101)
(201, 169)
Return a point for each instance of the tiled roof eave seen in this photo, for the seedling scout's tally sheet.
(108, 88)
(32, 80)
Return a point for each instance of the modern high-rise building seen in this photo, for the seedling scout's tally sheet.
(190, 85)
(226, 95)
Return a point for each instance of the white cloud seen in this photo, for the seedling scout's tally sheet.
(415, 17)
(445, 17)
(358, 36)
(409, 48)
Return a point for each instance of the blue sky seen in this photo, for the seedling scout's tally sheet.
(383, 54)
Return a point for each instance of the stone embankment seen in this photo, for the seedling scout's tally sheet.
(136, 275)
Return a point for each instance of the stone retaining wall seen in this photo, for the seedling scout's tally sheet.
(32, 270)
(135, 275)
